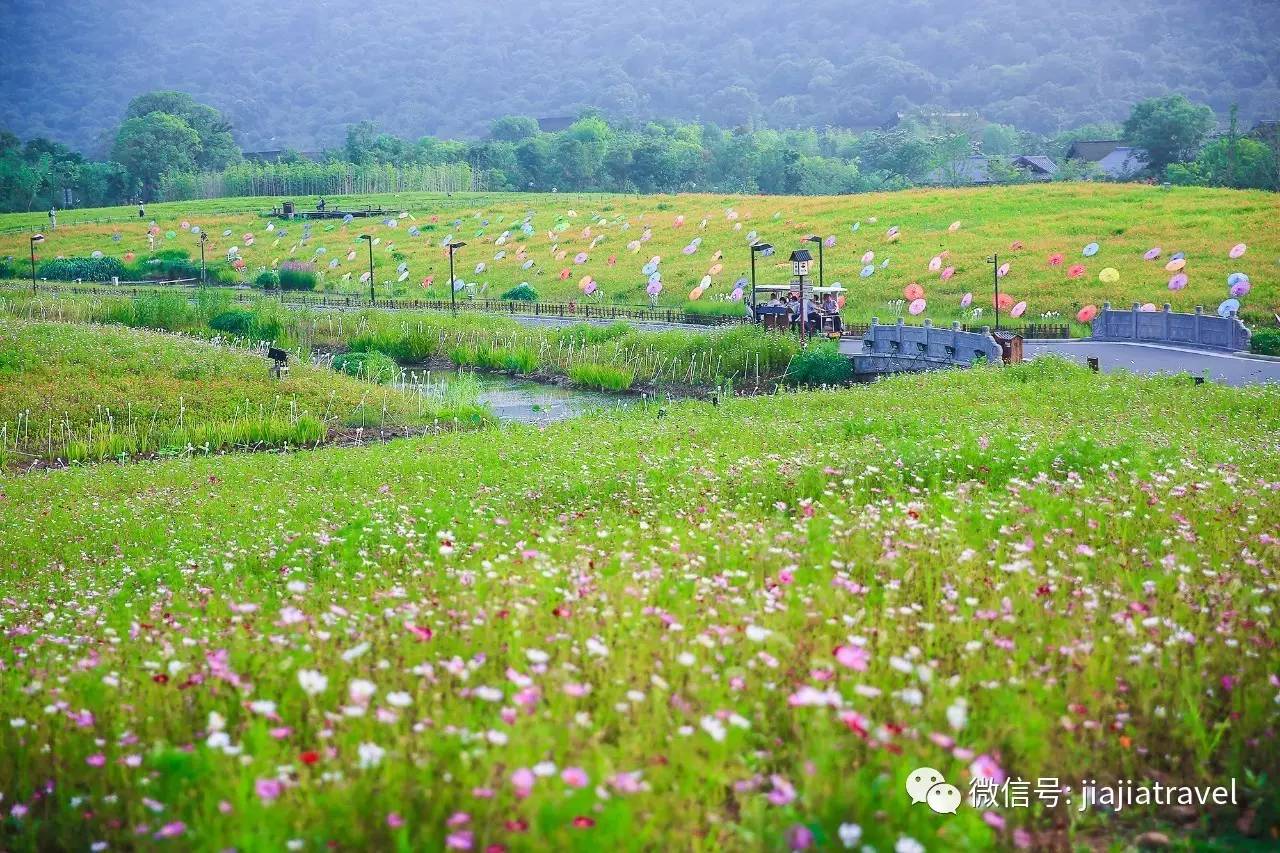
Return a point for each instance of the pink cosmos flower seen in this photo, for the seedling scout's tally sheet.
(522, 780)
(268, 789)
(783, 792)
(574, 777)
(853, 657)
(459, 840)
(799, 837)
(171, 830)
(985, 767)
(96, 760)
(394, 820)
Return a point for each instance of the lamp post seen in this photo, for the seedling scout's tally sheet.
(800, 262)
(35, 238)
(756, 247)
(453, 290)
(994, 260)
(817, 239)
(368, 238)
(203, 274)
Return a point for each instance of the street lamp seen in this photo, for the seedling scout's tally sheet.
(800, 263)
(368, 238)
(204, 238)
(756, 247)
(35, 238)
(816, 239)
(994, 260)
(453, 289)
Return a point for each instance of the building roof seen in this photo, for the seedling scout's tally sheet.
(554, 124)
(1092, 150)
(976, 168)
(1036, 163)
(1123, 162)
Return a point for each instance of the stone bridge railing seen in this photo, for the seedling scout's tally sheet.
(1199, 330)
(900, 347)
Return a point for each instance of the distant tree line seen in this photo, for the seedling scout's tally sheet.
(170, 147)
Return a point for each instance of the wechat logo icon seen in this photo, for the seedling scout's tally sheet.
(926, 785)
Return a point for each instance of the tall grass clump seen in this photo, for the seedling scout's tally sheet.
(372, 366)
(820, 364)
(297, 275)
(603, 377)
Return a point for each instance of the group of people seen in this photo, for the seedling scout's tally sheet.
(812, 313)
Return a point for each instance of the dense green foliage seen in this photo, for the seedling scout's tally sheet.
(1265, 342)
(167, 158)
(370, 365)
(820, 363)
(672, 627)
(287, 74)
(296, 275)
(522, 292)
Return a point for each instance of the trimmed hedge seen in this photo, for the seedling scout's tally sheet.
(522, 292)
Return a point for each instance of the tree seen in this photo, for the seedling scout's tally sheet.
(1170, 129)
(513, 129)
(153, 144)
(1253, 166)
(217, 146)
(361, 138)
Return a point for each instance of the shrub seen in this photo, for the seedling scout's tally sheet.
(820, 364)
(267, 279)
(85, 269)
(295, 275)
(234, 322)
(1265, 342)
(373, 366)
(169, 311)
(604, 377)
(223, 274)
(8, 268)
(522, 292)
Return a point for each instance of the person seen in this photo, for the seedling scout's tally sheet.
(142, 213)
(832, 309)
(320, 204)
(53, 218)
(774, 300)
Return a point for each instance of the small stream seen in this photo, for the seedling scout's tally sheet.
(525, 400)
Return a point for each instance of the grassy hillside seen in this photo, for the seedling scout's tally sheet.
(1026, 225)
(70, 393)
(737, 627)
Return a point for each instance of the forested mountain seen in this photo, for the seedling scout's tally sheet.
(295, 73)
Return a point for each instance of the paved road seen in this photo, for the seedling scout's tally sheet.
(1146, 358)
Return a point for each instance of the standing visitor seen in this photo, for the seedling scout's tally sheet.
(142, 213)
(53, 218)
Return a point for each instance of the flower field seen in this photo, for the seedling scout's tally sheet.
(703, 627)
(602, 248)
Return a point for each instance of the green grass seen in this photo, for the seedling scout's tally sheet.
(1052, 572)
(603, 377)
(74, 393)
(746, 355)
(1125, 220)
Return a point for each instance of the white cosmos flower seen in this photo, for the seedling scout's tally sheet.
(370, 755)
(312, 682)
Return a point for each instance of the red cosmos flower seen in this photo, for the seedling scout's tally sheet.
(309, 757)
(517, 825)
(583, 822)
(160, 678)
